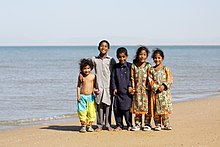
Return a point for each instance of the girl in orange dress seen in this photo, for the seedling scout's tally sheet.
(139, 77)
(160, 79)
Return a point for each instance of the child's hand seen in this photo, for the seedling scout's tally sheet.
(161, 88)
(96, 91)
(115, 92)
(131, 90)
(78, 99)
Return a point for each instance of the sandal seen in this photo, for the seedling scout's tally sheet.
(168, 128)
(129, 129)
(110, 129)
(118, 129)
(98, 129)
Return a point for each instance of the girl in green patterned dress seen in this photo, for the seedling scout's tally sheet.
(160, 79)
(139, 77)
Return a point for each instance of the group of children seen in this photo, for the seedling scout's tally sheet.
(136, 91)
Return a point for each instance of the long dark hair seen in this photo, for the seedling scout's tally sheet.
(138, 52)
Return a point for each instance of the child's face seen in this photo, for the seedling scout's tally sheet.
(158, 59)
(122, 58)
(86, 70)
(103, 48)
(142, 56)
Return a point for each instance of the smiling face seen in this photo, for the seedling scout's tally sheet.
(158, 59)
(103, 48)
(86, 70)
(142, 56)
(122, 58)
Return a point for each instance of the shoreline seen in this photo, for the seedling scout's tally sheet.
(195, 123)
(23, 124)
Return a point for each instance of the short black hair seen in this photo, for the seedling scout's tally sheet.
(157, 51)
(84, 62)
(121, 50)
(100, 43)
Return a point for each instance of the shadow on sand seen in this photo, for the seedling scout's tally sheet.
(63, 128)
(68, 128)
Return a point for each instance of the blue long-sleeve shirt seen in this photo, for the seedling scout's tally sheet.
(121, 80)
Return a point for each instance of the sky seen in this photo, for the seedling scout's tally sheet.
(121, 22)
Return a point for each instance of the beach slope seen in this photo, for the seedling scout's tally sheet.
(195, 123)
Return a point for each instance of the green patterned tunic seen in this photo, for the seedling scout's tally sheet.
(139, 76)
(163, 99)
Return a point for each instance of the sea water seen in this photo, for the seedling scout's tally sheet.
(38, 84)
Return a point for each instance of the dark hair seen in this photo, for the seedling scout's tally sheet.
(84, 62)
(139, 51)
(122, 50)
(157, 51)
(100, 43)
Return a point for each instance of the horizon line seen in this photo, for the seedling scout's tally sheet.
(115, 45)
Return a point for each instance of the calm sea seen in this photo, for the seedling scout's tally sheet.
(38, 84)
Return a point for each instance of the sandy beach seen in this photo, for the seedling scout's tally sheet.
(195, 123)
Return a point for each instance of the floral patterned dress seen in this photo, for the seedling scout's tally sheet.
(162, 100)
(139, 77)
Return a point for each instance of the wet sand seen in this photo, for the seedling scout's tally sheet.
(195, 123)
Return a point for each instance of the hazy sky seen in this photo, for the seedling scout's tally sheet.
(122, 22)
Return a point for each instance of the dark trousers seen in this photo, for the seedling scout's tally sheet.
(119, 117)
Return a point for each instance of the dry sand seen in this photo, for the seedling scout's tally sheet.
(195, 123)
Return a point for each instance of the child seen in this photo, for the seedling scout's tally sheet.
(161, 80)
(122, 87)
(139, 76)
(85, 97)
(103, 66)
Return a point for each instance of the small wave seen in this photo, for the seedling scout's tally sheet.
(27, 121)
(182, 94)
(188, 97)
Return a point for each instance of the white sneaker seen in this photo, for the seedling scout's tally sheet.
(83, 129)
(90, 129)
(157, 128)
(135, 128)
(146, 128)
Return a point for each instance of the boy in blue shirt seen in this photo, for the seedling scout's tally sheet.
(122, 89)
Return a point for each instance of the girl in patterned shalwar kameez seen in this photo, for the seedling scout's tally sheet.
(139, 76)
(160, 79)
